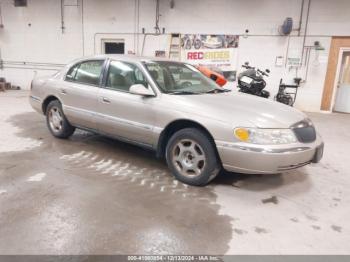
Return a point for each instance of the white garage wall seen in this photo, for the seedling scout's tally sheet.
(262, 51)
(43, 41)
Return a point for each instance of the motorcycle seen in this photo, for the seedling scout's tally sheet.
(251, 81)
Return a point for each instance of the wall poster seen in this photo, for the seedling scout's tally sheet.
(217, 52)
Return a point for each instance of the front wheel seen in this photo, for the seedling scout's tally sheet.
(192, 157)
(57, 122)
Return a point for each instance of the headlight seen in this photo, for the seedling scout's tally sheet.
(265, 136)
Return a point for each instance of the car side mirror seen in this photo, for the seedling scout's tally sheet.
(139, 89)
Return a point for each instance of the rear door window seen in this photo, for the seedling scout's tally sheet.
(88, 72)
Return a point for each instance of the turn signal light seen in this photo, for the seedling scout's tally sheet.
(242, 134)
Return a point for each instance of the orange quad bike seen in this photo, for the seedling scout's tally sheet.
(218, 78)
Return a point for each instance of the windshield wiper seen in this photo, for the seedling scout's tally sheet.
(218, 90)
(182, 93)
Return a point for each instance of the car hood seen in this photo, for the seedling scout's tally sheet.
(238, 108)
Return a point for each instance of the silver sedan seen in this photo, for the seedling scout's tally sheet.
(171, 108)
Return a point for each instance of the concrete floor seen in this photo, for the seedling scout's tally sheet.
(93, 195)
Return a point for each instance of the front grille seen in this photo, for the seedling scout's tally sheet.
(304, 131)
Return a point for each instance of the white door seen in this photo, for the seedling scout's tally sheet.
(342, 99)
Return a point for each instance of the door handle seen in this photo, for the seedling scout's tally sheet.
(106, 100)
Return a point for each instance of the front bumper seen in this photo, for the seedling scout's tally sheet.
(261, 159)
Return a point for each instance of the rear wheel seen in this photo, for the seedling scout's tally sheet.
(57, 122)
(191, 157)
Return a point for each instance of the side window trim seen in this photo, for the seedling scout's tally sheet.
(105, 73)
(78, 66)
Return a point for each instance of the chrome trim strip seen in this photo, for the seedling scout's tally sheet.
(78, 110)
(119, 138)
(282, 168)
(124, 121)
(262, 150)
(116, 119)
(232, 168)
(35, 98)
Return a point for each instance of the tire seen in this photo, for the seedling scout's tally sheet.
(56, 121)
(191, 157)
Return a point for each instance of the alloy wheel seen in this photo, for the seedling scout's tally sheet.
(55, 119)
(189, 158)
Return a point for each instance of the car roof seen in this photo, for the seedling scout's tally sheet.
(126, 58)
(131, 58)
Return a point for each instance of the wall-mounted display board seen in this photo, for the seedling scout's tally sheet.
(217, 52)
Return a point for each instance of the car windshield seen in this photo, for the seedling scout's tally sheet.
(179, 78)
